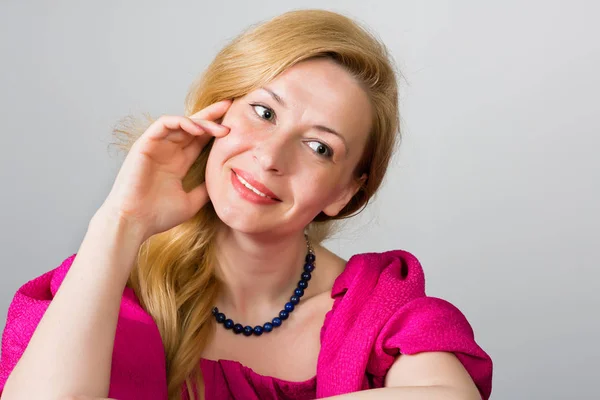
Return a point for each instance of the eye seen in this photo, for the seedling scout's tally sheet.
(321, 149)
(264, 112)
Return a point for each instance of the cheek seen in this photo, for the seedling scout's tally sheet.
(238, 141)
(211, 173)
(224, 148)
(219, 154)
(244, 125)
(243, 133)
(316, 188)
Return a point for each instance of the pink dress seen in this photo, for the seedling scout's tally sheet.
(380, 311)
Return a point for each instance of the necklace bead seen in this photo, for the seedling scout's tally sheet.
(238, 328)
(284, 314)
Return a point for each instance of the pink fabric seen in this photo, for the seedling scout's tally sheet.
(380, 311)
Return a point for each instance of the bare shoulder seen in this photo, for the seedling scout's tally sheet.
(328, 267)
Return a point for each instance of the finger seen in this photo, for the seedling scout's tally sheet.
(169, 124)
(214, 111)
(211, 127)
(211, 130)
(182, 130)
(181, 138)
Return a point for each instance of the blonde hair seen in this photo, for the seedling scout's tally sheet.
(174, 275)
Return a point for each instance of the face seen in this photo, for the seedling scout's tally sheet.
(291, 151)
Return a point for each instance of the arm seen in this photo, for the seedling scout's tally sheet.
(71, 349)
(423, 376)
(70, 352)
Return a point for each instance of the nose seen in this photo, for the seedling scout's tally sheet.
(273, 153)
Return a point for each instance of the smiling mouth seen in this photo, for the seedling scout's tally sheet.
(249, 186)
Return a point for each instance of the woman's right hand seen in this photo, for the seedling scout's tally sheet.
(148, 190)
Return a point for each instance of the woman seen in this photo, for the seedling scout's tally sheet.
(202, 274)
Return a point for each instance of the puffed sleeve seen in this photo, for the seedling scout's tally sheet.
(381, 310)
(138, 368)
(429, 324)
(24, 313)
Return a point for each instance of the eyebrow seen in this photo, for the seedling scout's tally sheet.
(275, 96)
(322, 128)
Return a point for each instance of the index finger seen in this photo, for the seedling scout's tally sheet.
(214, 111)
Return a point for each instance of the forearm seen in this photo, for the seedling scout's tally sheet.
(410, 393)
(71, 349)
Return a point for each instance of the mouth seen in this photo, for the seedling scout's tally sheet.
(250, 183)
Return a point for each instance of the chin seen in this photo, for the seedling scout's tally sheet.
(241, 219)
(252, 222)
(239, 223)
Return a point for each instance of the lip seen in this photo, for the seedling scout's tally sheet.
(259, 186)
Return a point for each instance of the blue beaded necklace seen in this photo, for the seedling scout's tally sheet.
(258, 330)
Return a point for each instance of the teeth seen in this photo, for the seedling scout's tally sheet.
(249, 186)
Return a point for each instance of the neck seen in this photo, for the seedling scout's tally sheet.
(258, 274)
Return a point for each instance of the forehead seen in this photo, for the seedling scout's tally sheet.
(324, 93)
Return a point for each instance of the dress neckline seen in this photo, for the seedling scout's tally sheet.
(339, 287)
(249, 371)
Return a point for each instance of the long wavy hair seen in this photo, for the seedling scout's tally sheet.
(173, 275)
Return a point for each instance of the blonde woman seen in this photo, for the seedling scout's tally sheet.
(202, 274)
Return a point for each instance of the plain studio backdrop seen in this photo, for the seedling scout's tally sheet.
(496, 187)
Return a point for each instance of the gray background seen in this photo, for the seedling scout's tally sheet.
(496, 187)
